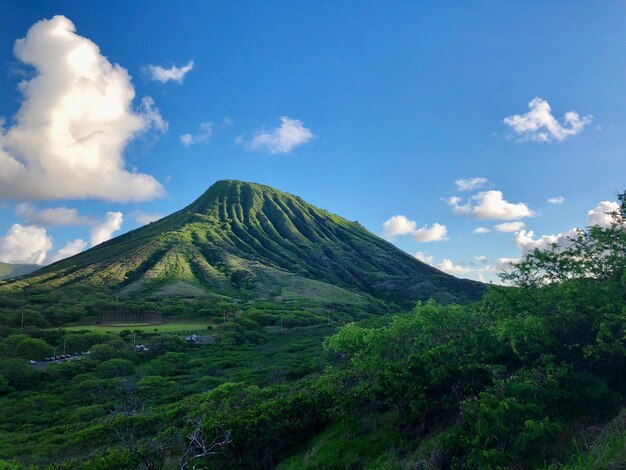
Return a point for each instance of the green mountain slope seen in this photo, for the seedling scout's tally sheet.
(8, 271)
(249, 241)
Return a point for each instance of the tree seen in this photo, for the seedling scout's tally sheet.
(19, 374)
(115, 368)
(33, 348)
(595, 253)
(197, 445)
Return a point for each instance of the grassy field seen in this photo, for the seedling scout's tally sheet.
(144, 327)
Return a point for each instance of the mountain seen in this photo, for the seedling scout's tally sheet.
(8, 271)
(248, 241)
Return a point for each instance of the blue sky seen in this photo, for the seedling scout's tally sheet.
(385, 106)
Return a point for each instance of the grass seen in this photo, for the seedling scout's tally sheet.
(144, 327)
(607, 450)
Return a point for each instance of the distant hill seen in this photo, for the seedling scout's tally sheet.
(248, 241)
(8, 271)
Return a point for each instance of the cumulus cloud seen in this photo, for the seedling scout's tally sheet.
(486, 270)
(556, 200)
(74, 122)
(144, 218)
(283, 139)
(510, 226)
(482, 230)
(539, 125)
(470, 184)
(203, 135)
(25, 244)
(402, 225)
(526, 241)
(427, 234)
(398, 225)
(490, 205)
(151, 116)
(481, 268)
(449, 267)
(52, 216)
(104, 231)
(424, 257)
(70, 249)
(173, 74)
(601, 215)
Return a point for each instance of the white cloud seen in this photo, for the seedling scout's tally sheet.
(104, 231)
(401, 225)
(203, 135)
(526, 241)
(427, 234)
(283, 139)
(144, 218)
(449, 267)
(480, 269)
(470, 184)
(151, 115)
(70, 249)
(51, 216)
(600, 216)
(25, 244)
(482, 230)
(398, 225)
(424, 257)
(510, 226)
(482, 272)
(504, 264)
(540, 125)
(556, 200)
(174, 74)
(490, 205)
(74, 122)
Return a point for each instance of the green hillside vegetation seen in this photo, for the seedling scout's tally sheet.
(529, 376)
(8, 271)
(243, 241)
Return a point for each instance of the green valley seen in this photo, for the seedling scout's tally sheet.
(324, 351)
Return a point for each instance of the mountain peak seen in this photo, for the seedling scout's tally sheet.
(229, 192)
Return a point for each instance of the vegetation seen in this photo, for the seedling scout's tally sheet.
(529, 376)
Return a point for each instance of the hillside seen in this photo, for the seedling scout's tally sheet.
(248, 241)
(8, 271)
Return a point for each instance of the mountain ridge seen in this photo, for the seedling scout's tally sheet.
(10, 270)
(245, 240)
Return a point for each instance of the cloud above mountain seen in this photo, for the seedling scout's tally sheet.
(203, 135)
(283, 139)
(75, 120)
(25, 244)
(174, 74)
(70, 249)
(105, 230)
(470, 184)
(489, 205)
(51, 216)
(540, 125)
(400, 225)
